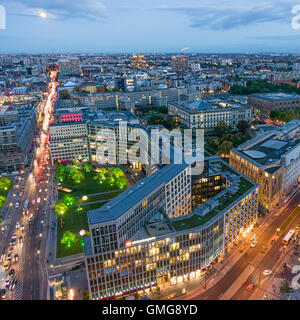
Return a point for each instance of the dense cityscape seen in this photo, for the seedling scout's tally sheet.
(77, 223)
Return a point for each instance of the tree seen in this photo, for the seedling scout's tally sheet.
(2, 201)
(87, 166)
(61, 172)
(78, 177)
(220, 129)
(68, 239)
(69, 200)
(285, 287)
(64, 94)
(156, 119)
(5, 184)
(163, 109)
(243, 126)
(60, 208)
(100, 175)
(225, 147)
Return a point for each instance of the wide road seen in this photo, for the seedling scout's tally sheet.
(265, 237)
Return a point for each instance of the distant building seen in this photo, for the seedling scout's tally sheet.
(180, 64)
(138, 61)
(267, 102)
(200, 114)
(70, 66)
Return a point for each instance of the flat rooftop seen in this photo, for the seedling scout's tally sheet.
(268, 151)
(130, 197)
(277, 96)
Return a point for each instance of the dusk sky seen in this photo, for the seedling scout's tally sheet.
(57, 26)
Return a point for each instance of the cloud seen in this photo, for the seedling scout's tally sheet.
(233, 15)
(58, 9)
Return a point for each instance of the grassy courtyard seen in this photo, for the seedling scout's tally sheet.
(74, 221)
(99, 186)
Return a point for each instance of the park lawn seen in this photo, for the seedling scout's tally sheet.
(89, 186)
(105, 196)
(74, 221)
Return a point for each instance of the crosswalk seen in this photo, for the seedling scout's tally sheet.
(18, 291)
(18, 294)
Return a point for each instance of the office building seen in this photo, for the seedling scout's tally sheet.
(272, 160)
(265, 103)
(200, 114)
(135, 245)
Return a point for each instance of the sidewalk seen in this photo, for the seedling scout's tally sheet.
(195, 287)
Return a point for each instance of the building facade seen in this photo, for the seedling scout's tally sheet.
(135, 245)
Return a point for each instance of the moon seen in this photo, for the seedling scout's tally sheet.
(43, 15)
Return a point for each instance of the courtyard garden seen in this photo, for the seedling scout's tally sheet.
(82, 188)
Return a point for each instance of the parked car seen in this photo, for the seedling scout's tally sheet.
(7, 265)
(20, 239)
(11, 272)
(3, 292)
(12, 284)
(16, 257)
(250, 286)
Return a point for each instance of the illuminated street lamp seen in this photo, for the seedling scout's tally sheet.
(84, 198)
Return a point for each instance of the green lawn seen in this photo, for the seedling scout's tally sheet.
(74, 221)
(89, 186)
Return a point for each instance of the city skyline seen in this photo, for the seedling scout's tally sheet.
(232, 27)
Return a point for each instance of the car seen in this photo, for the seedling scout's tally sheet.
(22, 227)
(7, 265)
(76, 267)
(33, 201)
(18, 225)
(14, 236)
(298, 226)
(16, 257)
(7, 281)
(12, 284)
(267, 272)
(30, 222)
(40, 190)
(250, 286)
(3, 292)
(11, 272)
(21, 194)
(20, 239)
(17, 205)
(11, 249)
(253, 244)
(9, 256)
(13, 242)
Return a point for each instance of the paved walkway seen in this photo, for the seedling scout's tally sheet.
(98, 194)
